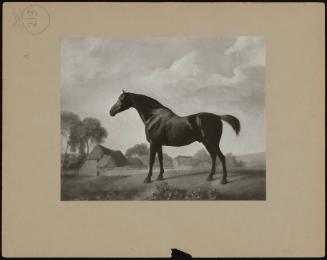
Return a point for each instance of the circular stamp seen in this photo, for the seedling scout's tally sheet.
(36, 19)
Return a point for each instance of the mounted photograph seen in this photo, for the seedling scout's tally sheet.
(163, 118)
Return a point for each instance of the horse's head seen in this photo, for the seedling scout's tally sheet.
(123, 103)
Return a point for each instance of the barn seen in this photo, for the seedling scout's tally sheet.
(100, 159)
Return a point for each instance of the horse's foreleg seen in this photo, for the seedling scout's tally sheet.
(223, 162)
(160, 176)
(151, 161)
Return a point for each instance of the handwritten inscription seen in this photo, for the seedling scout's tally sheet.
(36, 19)
(17, 19)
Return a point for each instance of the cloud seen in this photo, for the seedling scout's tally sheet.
(243, 42)
(217, 79)
(251, 50)
(76, 60)
(169, 80)
(181, 69)
(186, 66)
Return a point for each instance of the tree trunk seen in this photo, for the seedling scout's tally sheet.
(63, 163)
(66, 150)
(87, 147)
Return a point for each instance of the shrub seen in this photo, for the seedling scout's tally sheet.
(204, 194)
(72, 161)
(165, 192)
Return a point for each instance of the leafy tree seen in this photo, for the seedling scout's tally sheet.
(94, 132)
(233, 162)
(81, 134)
(202, 158)
(202, 155)
(167, 161)
(73, 161)
(68, 120)
(85, 133)
(138, 149)
(142, 151)
(76, 138)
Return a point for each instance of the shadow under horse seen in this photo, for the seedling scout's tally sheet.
(164, 127)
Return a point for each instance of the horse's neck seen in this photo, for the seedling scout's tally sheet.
(144, 111)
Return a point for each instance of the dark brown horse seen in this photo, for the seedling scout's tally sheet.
(164, 127)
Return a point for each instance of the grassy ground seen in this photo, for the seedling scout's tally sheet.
(177, 185)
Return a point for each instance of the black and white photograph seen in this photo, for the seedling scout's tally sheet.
(171, 130)
(163, 118)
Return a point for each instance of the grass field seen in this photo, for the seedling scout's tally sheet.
(177, 185)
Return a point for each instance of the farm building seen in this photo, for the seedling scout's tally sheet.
(100, 159)
(183, 162)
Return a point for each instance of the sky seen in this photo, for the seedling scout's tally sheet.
(188, 75)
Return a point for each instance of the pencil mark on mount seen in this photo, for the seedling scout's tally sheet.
(17, 20)
(35, 19)
(164, 127)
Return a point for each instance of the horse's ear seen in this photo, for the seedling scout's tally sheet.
(123, 91)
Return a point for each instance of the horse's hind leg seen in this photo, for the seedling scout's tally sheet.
(223, 162)
(160, 176)
(213, 167)
(211, 128)
(213, 156)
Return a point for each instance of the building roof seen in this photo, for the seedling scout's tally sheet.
(99, 151)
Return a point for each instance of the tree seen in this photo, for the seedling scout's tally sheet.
(68, 120)
(138, 149)
(77, 137)
(94, 132)
(202, 159)
(80, 135)
(167, 161)
(233, 162)
(85, 133)
(202, 155)
(142, 151)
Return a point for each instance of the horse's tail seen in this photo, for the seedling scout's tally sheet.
(233, 121)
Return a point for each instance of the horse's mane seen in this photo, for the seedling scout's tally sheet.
(143, 100)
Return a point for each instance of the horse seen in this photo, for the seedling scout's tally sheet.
(165, 128)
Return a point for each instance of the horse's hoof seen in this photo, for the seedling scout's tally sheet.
(147, 180)
(209, 178)
(160, 178)
(223, 181)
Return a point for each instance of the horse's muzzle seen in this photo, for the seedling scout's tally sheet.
(112, 112)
